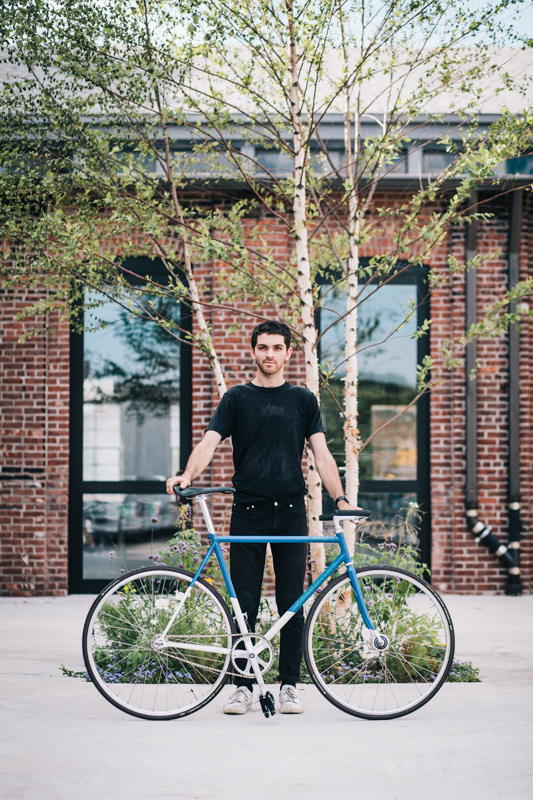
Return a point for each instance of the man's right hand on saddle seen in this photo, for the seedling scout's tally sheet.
(181, 480)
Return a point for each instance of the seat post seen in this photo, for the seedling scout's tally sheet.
(337, 526)
(202, 500)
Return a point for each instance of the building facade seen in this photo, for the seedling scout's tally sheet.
(82, 476)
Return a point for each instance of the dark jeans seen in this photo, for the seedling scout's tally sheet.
(287, 518)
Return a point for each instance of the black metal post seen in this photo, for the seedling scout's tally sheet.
(483, 533)
(470, 359)
(514, 582)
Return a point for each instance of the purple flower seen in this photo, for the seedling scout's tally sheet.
(123, 570)
(112, 554)
(154, 520)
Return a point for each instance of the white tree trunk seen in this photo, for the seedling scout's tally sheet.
(205, 337)
(314, 485)
(351, 431)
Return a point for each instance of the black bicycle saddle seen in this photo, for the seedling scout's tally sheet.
(190, 492)
(360, 512)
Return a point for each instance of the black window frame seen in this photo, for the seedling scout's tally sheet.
(77, 584)
(422, 484)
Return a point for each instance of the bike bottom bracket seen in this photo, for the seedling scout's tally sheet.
(262, 653)
(267, 704)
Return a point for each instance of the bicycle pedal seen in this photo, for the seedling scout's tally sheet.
(267, 704)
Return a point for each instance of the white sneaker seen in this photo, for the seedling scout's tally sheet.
(289, 701)
(240, 701)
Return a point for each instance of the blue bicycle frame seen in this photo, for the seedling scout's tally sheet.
(248, 640)
(342, 558)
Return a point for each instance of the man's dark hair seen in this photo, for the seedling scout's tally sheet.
(271, 326)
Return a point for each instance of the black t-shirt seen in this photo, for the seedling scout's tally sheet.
(268, 429)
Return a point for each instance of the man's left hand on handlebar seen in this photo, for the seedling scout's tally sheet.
(345, 506)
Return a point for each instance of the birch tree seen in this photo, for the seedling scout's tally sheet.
(89, 176)
(424, 61)
(282, 67)
(116, 112)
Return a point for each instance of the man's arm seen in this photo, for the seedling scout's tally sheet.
(327, 469)
(198, 461)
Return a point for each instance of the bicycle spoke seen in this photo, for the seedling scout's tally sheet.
(120, 653)
(367, 682)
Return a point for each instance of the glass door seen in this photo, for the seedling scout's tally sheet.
(130, 425)
(394, 466)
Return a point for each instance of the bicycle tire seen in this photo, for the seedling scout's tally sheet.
(356, 678)
(118, 638)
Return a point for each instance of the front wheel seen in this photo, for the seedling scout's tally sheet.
(352, 673)
(138, 668)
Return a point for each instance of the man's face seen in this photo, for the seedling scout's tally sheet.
(270, 353)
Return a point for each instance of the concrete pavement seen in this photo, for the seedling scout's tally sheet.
(60, 740)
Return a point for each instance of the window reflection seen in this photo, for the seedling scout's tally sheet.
(520, 166)
(122, 523)
(131, 397)
(131, 432)
(385, 506)
(394, 449)
(387, 361)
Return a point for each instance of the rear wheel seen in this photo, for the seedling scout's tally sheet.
(139, 670)
(354, 675)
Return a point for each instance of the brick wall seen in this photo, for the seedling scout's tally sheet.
(34, 405)
(459, 564)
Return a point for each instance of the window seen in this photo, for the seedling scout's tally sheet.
(520, 166)
(277, 163)
(131, 410)
(394, 466)
(436, 161)
(133, 413)
(398, 165)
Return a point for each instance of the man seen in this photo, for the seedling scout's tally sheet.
(269, 420)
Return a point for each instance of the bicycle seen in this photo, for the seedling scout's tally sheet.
(160, 642)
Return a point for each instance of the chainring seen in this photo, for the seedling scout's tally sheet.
(246, 659)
